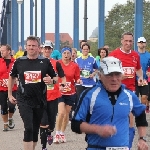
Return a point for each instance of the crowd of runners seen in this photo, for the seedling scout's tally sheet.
(105, 97)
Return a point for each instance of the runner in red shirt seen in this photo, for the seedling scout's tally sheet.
(131, 67)
(7, 109)
(53, 93)
(72, 73)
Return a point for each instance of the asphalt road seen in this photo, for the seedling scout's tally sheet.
(12, 140)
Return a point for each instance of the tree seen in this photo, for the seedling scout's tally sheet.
(93, 48)
(121, 19)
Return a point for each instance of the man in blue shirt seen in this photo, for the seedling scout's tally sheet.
(143, 88)
(103, 111)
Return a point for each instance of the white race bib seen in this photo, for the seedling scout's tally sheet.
(117, 148)
(85, 73)
(32, 76)
(67, 87)
(129, 72)
(50, 86)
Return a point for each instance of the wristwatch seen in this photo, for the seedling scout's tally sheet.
(54, 82)
(142, 138)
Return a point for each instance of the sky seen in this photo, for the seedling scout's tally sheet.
(66, 16)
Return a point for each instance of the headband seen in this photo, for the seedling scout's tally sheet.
(65, 49)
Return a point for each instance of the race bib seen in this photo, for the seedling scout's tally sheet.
(129, 72)
(117, 148)
(85, 73)
(32, 76)
(50, 86)
(67, 87)
(4, 82)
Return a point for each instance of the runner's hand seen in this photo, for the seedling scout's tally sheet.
(106, 130)
(12, 99)
(142, 145)
(79, 81)
(48, 79)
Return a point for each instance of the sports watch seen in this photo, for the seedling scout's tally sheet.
(142, 138)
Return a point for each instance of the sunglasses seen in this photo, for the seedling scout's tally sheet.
(141, 42)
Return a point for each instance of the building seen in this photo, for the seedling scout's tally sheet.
(64, 37)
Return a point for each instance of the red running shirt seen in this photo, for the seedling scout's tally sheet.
(130, 63)
(72, 74)
(4, 74)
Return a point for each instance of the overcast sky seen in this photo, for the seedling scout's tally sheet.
(66, 15)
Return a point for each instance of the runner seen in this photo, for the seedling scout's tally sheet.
(143, 89)
(34, 73)
(66, 102)
(88, 69)
(102, 52)
(103, 111)
(7, 109)
(131, 67)
(49, 116)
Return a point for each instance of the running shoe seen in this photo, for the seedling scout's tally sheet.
(63, 139)
(49, 139)
(44, 149)
(57, 139)
(5, 127)
(11, 124)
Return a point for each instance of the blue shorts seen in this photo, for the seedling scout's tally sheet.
(68, 99)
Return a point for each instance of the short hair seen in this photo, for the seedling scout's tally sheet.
(8, 47)
(102, 48)
(86, 44)
(74, 49)
(33, 38)
(126, 33)
(82, 41)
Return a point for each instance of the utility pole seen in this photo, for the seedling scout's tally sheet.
(85, 19)
(35, 17)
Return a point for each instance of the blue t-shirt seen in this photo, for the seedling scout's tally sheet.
(87, 67)
(97, 105)
(145, 62)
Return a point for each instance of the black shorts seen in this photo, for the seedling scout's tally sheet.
(142, 90)
(4, 102)
(68, 99)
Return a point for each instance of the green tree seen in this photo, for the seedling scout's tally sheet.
(93, 48)
(121, 19)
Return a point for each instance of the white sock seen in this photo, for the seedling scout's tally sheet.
(62, 133)
(10, 119)
(57, 132)
(5, 122)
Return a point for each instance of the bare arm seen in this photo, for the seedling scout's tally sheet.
(11, 82)
(142, 145)
(139, 73)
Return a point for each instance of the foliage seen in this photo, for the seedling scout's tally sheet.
(93, 48)
(121, 19)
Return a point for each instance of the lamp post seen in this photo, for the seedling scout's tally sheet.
(20, 2)
(35, 17)
(85, 19)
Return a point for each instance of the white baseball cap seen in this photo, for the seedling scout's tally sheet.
(141, 39)
(111, 64)
(48, 43)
